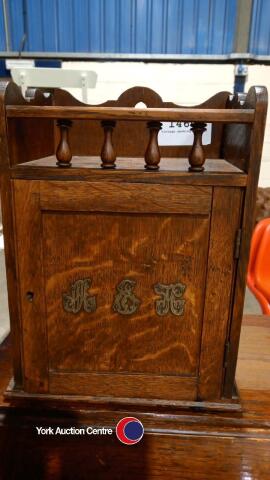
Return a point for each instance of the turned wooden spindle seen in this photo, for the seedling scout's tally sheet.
(63, 152)
(152, 154)
(107, 155)
(197, 155)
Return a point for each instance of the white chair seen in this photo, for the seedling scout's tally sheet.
(53, 78)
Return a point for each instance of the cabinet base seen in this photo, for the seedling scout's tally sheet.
(14, 395)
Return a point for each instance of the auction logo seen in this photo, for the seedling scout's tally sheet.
(129, 430)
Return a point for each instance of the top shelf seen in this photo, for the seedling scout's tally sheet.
(123, 113)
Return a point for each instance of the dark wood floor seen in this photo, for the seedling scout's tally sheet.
(177, 445)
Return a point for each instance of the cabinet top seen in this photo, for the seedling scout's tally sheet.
(222, 115)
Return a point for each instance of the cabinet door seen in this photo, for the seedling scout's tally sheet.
(112, 282)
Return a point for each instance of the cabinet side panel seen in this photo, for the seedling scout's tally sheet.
(11, 274)
(221, 264)
(256, 98)
(8, 227)
(30, 268)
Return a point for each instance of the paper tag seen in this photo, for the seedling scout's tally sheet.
(179, 133)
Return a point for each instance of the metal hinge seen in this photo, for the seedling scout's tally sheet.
(237, 244)
(226, 354)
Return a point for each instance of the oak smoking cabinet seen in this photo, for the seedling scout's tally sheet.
(126, 260)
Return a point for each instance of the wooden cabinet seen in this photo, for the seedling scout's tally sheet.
(126, 284)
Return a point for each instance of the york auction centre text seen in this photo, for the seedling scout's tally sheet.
(74, 431)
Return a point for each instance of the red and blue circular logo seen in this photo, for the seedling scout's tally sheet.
(129, 430)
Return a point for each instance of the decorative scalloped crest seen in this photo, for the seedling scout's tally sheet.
(129, 98)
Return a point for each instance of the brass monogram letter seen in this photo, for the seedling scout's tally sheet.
(78, 299)
(125, 301)
(171, 300)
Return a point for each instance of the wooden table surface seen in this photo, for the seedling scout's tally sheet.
(176, 445)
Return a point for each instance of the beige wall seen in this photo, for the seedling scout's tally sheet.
(182, 84)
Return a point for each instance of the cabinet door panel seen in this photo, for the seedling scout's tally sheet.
(123, 292)
(144, 249)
